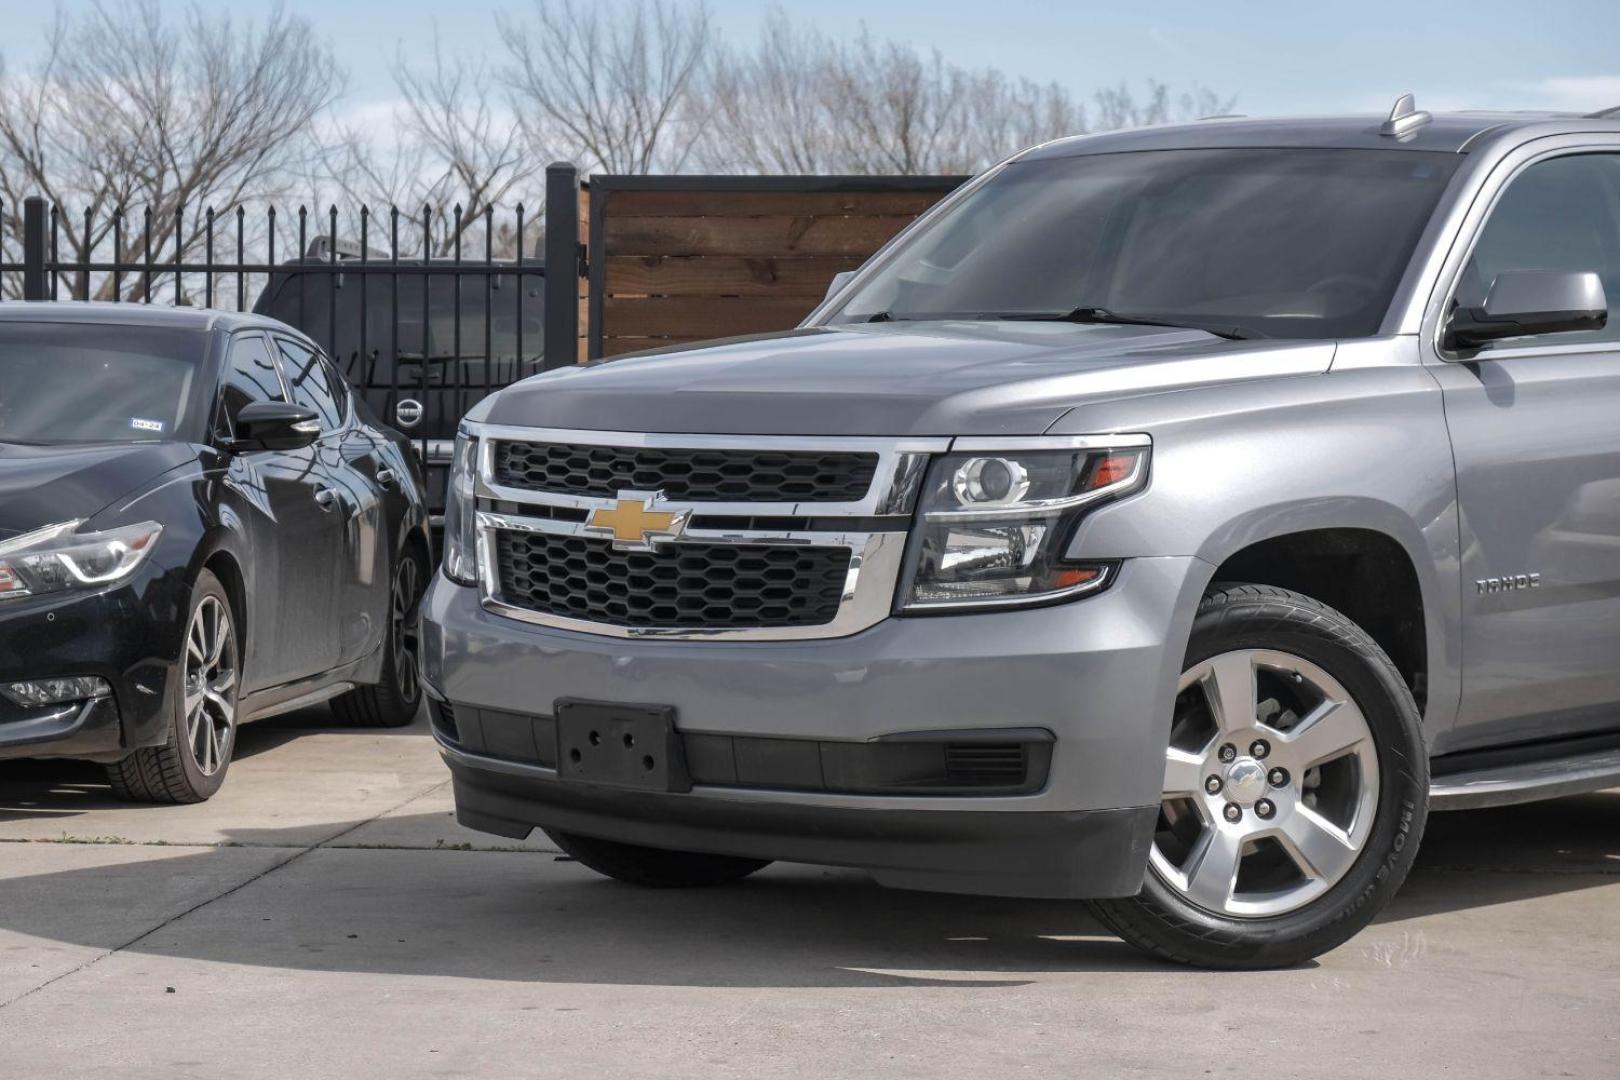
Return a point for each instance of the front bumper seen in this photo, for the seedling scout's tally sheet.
(1099, 675)
(128, 635)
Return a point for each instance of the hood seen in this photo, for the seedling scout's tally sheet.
(936, 378)
(44, 485)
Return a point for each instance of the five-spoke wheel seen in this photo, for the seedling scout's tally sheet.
(1295, 788)
(1270, 781)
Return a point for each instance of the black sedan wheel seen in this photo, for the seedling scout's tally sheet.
(192, 766)
(394, 701)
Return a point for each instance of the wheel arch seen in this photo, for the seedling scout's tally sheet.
(1361, 564)
(221, 555)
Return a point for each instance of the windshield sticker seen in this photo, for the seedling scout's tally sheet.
(145, 425)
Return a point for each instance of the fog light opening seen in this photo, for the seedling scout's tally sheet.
(35, 693)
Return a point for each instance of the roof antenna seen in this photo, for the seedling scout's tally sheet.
(1612, 113)
(1404, 118)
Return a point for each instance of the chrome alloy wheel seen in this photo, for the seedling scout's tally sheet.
(210, 687)
(404, 630)
(1270, 785)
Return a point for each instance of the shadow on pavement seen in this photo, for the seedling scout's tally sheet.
(529, 917)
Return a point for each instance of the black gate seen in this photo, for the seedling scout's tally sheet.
(426, 313)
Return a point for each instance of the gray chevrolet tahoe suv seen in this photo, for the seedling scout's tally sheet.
(1170, 519)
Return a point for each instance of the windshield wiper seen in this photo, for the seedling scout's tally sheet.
(1097, 315)
(1088, 315)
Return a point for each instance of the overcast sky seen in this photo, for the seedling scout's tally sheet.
(1275, 58)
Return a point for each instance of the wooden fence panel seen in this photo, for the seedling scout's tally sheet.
(682, 259)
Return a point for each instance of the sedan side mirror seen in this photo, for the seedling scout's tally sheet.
(1522, 302)
(275, 425)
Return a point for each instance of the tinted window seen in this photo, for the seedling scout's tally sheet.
(309, 382)
(250, 375)
(67, 383)
(1562, 214)
(1283, 243)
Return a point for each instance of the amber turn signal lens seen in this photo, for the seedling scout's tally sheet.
(1069, 577)
(1111, 470)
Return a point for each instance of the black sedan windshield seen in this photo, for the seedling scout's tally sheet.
(73, 383)
(1287, 243)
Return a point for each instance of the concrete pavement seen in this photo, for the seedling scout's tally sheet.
(325, 916)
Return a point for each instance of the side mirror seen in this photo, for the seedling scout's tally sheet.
(275, 425)
(1522, 302)
(839, 280)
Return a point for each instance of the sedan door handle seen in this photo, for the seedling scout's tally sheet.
(386, 477)
(326, 498)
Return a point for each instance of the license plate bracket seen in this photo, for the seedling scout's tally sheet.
(615, 745)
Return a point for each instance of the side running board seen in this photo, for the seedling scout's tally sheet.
(1506, 785)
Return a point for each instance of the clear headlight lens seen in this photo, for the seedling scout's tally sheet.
(460, 517)
(56, 558)
(993, 526)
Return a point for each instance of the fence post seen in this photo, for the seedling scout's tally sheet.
(563, 265)
(34, 216)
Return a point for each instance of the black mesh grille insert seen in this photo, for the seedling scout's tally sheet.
(689, 475)
(713, 586)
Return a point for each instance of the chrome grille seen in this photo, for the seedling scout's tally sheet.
(688, 474)
(682, 586)
(739, 550)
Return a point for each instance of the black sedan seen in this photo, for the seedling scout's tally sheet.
(200, 524)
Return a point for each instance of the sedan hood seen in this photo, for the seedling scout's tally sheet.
(936, 378)
(44, 485)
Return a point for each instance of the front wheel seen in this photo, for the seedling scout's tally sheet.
(191, 767)
(1295, 788)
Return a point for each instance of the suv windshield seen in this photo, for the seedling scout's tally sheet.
(72, 383)
(1286, 243)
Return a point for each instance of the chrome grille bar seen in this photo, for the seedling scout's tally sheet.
(875, 556)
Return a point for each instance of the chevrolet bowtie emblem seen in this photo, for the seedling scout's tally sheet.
(634, 524)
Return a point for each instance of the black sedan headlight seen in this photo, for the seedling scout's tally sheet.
(58, 558)
(993, 526)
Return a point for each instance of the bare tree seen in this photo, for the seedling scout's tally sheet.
(127, 109)
(449, 145)
(770, 105)
(612, 81)
(803, 102)
(1118, 107)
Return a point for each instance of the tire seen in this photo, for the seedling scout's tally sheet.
(1309, 866)
(655, 868)
(191, 767)
(395, 701)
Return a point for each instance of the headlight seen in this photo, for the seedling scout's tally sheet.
(56, 558)
(460, 517)
(993, 526)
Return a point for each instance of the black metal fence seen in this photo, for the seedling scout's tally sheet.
(424, 312)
